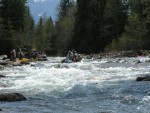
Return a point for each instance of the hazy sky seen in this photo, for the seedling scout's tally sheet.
(40, 7)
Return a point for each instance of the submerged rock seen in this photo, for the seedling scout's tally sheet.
(12, 97)
(3, 84)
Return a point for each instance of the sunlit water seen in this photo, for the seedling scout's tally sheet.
(90, 86)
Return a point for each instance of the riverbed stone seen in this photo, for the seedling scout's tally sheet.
(12, 97)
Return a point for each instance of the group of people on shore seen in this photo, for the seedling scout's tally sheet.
(14, 55)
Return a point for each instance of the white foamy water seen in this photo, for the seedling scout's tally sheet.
(90, 86)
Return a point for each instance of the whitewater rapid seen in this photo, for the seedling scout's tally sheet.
(89, 86)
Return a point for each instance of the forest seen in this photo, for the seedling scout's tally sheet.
(88, 26)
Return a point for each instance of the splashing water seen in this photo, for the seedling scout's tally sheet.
(90, 86)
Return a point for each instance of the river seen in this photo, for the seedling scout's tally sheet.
(90, 86)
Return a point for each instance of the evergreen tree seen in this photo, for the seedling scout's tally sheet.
(13, 10)
(12, 14)
(39, 40)
(64, 7)
(115, 18)
(88, 26)
(65, 35)
(28, 29)
(0, 27)
(136, 35)
(65, 25)
(137, 29)
(49, 31)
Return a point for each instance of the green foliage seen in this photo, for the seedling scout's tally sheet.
(65, 34)
(97, 22)
(12, 14)
(137, 31)
(29, 29)
(39, 39)
(44, 39)
(138, 26)
(115, 17)
(121, 44)
(65, 26)
(64, 7)
(50, 37)
(0, 27)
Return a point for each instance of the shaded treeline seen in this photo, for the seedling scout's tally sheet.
(88, 26)
(18, 29)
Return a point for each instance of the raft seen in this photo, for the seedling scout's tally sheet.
(24, 61)
(17, 63)
(70, 61)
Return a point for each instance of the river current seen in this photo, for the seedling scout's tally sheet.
(89, 86)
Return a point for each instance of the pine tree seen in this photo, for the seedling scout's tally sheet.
(49, 31)
(39, 40)
(88, 26)
(12, 14)
(0, 27)
(65, 26)
(115, 18)
(137, 29)
(64, 7)
(28, 28)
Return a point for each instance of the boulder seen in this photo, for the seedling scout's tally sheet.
(1, 67)
(11, 97)
(137, 61)
(143, 78)
(0, 109)
(147, 61)
(3, 63)
(2, 76)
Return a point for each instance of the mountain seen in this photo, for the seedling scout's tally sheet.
(43, 8)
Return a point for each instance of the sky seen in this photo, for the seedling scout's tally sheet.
(43, 7)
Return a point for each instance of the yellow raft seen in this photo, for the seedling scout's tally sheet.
(24, 60)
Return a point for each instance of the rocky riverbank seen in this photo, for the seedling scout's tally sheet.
(131, 53)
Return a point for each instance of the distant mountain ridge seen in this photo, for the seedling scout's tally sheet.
(43, 7)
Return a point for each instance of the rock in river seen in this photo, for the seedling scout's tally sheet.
(2, 76)
(11, 97)
(143, 78)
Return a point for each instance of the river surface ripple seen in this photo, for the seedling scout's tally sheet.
(90, 86)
